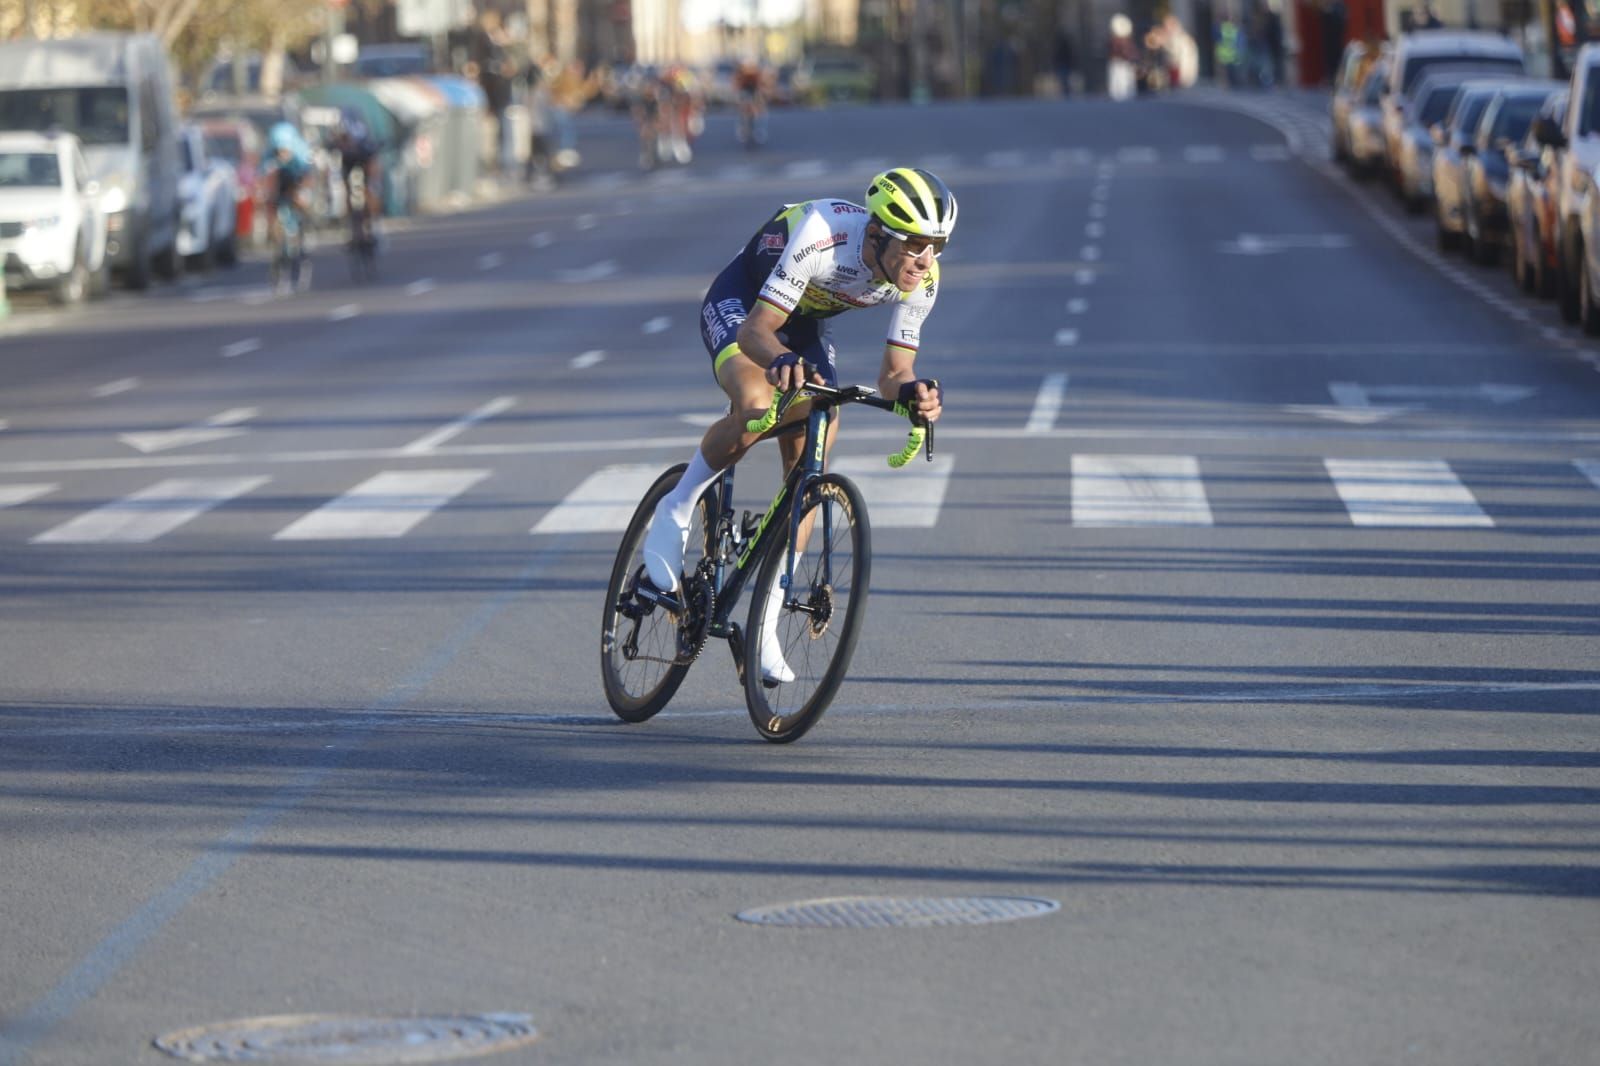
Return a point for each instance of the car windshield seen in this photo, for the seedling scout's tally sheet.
(29, 170)
(1436, 104)
(1589, 115)
(1468, 112)
(96, 115)
(225, 146)
(1489, 64)
(1516, 115)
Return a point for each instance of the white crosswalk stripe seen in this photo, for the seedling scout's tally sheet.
(11, 495)
(1404, 492)
(150, 512)
(1105, 490)
(387, 505)
(1138, 490)
(602, 502)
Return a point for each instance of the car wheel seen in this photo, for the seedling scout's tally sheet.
(137, 275)
(1486, 250)
(72, 286)
(1567, 287)
(1588, 312)
(228, 253)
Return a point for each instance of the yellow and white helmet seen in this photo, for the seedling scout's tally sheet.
(911, 202)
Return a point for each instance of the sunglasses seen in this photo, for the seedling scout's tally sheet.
(915, 244)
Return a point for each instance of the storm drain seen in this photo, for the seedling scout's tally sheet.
(899, 912)
(313, 1038)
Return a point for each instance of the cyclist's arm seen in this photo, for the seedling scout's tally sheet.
(758, 339)
(898, 369)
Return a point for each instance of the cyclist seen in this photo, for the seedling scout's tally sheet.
(358, 151)
(763, 323)
(286, 190)
(749, 84)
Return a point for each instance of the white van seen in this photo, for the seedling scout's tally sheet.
(114, 91)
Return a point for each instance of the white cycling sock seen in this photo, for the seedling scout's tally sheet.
(773, 665)
(695, 480)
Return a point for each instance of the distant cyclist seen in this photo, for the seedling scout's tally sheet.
(763, 324)
(286, 194)
(750, 88)
(358, 153)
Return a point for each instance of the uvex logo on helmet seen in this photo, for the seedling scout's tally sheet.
(912, 201)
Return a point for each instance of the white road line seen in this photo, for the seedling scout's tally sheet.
(603, 502)
(659, 324)
(1404, 492)
(700, 420)
(1589, 468)
(939, 163)
(1080, 157)
(1090, 253)
(490, 260)
(11, 495)
(596, 272)
(1077, 305)
(542, 240)
(806, 168)
(112, 388)
(1138, 154)
(150, 512)
(1084, 277)
(1138, 490)
(427, 443)
(1006, 160)
(908, 498)
(389, 504)
(1066, 337)
(585, 221)
(1101, 192)
(1098, 210)
(1094, 230)
(421, 287)
(244, 347)
(1202, 153)
(1047, 405)
(587, 359)
(344, 312)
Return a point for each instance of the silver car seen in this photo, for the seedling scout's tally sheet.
(1424, 109)
(1365, 123)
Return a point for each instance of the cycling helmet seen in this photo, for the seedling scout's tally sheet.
(912, 202)
(283, 135)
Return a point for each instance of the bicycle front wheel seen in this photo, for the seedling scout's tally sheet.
(646, 650)
(799, 640)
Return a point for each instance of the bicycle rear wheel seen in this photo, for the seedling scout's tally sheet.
(645, 650)
(820, 620)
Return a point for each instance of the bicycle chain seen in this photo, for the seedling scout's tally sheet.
(696, 626)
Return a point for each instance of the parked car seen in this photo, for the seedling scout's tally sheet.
(1354, 66)
(236, 141)
(1426, 107)
(1365, 124)
(1454, 139)
(1531, 198)
(392, 60)
(1433, 50)
(210, 193)
(52, 231)
(114, 91)
(841, 75)
(1505, 122)
(1578, 230)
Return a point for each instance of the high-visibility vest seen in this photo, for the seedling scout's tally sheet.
(1228, 44)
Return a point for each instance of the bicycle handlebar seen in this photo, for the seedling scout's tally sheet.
(919, 435)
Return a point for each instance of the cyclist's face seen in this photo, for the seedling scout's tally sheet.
(906, 263)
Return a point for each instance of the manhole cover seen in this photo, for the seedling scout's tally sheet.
(311, 1038)
(899, 912)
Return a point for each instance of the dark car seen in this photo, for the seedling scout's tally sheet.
(1424, 110)
(1454, 139)
(1505, 122)
(1531, 198)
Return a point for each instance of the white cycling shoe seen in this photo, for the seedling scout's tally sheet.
(664, 546)
(774, 667)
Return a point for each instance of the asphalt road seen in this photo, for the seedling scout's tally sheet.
(1248, 613)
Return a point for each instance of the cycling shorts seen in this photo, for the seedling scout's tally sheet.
(728, 304)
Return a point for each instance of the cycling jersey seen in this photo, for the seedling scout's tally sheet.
(289, 177)
(809, 262)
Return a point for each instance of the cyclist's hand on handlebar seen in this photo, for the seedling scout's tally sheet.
(923, 399)
(789, 372)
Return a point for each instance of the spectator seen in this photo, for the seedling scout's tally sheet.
(1122, 62)
(490, 63)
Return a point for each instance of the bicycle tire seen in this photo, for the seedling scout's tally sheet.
(637, 688)
(833, 576)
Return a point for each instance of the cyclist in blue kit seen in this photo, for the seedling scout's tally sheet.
(763, 323)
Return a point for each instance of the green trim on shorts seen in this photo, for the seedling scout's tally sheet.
(723, 356)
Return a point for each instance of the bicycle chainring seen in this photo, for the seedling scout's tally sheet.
(699, 605)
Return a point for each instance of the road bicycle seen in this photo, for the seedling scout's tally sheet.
(363, 246)
(810, 558)
(291, 267)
